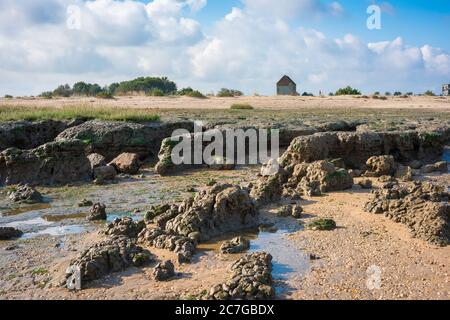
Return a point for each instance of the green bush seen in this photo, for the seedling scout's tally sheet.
(104, 95)
(156, 93)
(348, 91)
(306, 94)
(63, 91)
(429, 93)
(376, 93)
(241, 106)
(46, 95)
(225, 93)
(397, 93)
(147, 85)
(196, 94)
(8, 96)
(387, 94)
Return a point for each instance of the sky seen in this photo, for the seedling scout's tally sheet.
(240, 44)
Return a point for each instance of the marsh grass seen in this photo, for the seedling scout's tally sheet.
(241, 106)
(10, 113)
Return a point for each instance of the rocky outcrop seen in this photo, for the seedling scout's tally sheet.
(59, 162)
(236, 245)
(214, 211)
(356, 147)
(124, 227)
(97, 212)
(422, 207)
(96, 160)
(110, 138)
(381, 165)
(104, 174)
(183, 246)
(251, 279)
(112, 255)
(8, 233)
(25, 194)
(127, 163)
(164, 271)
(30, 135)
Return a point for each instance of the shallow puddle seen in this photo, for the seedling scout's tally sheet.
(289, 263)
(25, 209)
(56, 231)
(62, 217)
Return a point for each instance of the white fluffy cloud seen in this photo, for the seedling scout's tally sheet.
(248, 49)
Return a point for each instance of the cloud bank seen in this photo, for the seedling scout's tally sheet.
(46, 42)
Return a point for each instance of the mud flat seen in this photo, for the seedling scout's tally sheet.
(331, 170)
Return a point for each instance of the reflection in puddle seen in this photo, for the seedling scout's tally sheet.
(116, 215)
(20, 210)
(62, 217)
(289, 263)
(37, 222)
(56, 231)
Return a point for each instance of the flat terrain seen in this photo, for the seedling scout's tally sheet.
(268, 103)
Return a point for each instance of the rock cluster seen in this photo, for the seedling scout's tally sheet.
(381, 165)
(422, 207)
(356, 147)
(311, 179)
(183, 246)
(111, 138)
(164, 271)
(97, 212)
(441, 166)
(25, 194)
(219, 209)
(124, 227)
(112, 255)
(251, 279)
(58, 162)
(236, 245)
(7, 233)
(127, 163)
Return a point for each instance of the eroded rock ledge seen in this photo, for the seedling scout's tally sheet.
(251, 279)
(422, 207)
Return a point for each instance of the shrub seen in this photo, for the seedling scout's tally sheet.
(306, 94)
(376, 93)
(196, 94)
(223, 93)
(397, 93)
(104, 95)
(429, 93)
(156, 93)
(8, 96)
(387, 94)
(46, 95)
(63, 91)
(409, 93)
(147, 85)
(348, 91)
(241, 106)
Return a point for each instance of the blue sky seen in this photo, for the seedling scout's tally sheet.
(209, 44)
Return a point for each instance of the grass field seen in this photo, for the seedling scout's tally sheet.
(8, 113)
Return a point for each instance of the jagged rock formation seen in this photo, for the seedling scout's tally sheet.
(30, 135)
(110, 138)
(124, 227)
(25, 194)
(422, 207)
(8, 233)
(58, 162)
(236, 245)
(251, 279)
(112, 255)
(214, 211)
(164, 271)
(356, 147)
(97, 212)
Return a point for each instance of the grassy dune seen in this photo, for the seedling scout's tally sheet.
(9, 113)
